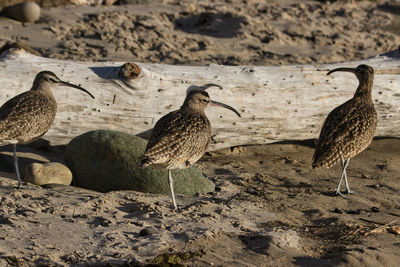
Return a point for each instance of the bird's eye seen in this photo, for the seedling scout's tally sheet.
(51, 80)
(204, 100)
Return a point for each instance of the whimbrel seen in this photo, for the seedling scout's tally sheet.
(349, 128)
(181, 137)
(29, 115)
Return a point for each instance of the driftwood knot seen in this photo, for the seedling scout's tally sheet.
(129, 71)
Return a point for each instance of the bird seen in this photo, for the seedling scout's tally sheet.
(29, 115)
(180, 138)
(349, 128)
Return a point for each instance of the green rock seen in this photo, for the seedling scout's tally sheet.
(107, 160)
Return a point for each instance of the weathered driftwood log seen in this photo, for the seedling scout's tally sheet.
(277, 102)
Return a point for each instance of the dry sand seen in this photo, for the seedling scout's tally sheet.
(223, 32)
(270, 208)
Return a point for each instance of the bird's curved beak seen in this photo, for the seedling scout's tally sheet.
(219, 104)
(62, 83)
(342, 69)
(208, 85)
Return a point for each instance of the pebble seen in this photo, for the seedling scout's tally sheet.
(23, 12)
(47, 173)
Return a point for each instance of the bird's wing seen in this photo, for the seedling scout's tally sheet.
(346, 128)
(177, 133)
(26, 116)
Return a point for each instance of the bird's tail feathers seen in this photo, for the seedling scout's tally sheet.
(316, 165)
(145, 162)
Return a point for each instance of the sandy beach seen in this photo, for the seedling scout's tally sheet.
(270, 208)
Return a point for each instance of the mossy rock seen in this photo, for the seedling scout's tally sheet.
(104, 160)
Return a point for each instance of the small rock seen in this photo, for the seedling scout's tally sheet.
(147, 231)
(23, 12)
(47, 173)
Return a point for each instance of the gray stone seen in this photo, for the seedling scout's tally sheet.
(24, 12)
(47, 173)
(107, 160)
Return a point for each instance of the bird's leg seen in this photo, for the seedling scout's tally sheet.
(171, 187)
(341, 178)
(348, 191)
(16, 165)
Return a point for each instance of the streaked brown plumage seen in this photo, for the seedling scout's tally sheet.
(29, 115)
(350, 127)
(181, 137)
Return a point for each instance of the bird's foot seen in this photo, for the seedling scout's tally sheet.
(348, 192)
(340, 193)
(21, 185)
(352, 192)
